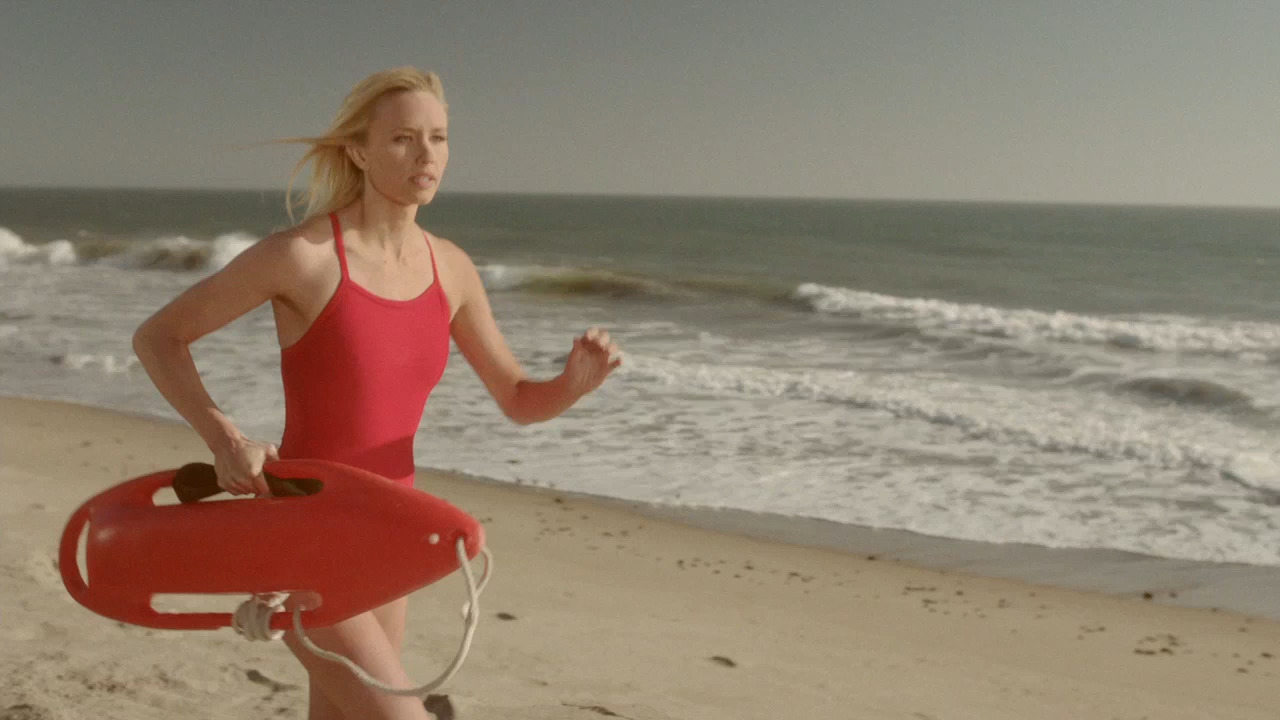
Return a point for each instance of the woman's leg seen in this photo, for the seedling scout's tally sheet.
(319, 706)
(391, 617)
(363, 640)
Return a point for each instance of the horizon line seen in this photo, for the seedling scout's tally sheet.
(677, 196)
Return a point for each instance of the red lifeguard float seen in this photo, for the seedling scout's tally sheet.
(354, 539)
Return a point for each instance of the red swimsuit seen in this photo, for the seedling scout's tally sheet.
(356, 383)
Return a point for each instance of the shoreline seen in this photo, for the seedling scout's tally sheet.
(598, 608)
(1252, 590)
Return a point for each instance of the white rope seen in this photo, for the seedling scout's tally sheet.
(252, 620)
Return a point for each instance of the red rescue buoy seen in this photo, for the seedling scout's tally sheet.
(354, 538)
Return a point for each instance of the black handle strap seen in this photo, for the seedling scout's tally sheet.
(196, 481)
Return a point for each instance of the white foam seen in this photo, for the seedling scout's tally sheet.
(175, 252)
(1258, 469)
(498, 277)
(1166, 333)
(11, 244)
(227, 246)
(178, 252)
(14, 250)
(1060, 421)
(109, 364)
(690, 420)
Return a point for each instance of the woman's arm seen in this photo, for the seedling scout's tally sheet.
(161, 342)
(522, 400)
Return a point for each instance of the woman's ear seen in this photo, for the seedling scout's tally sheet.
(358, 156)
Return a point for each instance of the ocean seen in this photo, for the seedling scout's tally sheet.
(1062, 376)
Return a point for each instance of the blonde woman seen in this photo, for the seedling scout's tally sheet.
(365, 303)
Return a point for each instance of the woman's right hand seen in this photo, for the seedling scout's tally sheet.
(238, 463)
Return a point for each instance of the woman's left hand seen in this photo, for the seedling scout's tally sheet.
(592, 359)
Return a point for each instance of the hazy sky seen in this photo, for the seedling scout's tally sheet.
(1173, 101)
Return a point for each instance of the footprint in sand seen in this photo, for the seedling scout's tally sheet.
(1165, 644)
(25, 712)
(275, 687)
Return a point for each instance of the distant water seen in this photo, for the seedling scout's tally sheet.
(1066, 376)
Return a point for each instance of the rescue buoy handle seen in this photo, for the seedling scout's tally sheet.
(140, 492)
(67, 549)
(196, 481)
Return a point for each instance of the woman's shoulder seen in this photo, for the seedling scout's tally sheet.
(449, 252)
(300, 245)
(458, 274)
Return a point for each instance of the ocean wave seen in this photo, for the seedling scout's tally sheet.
(172, 253)
(885, 316)
(1259, 471)
(572, 281)
(14, 250)
(1163, 333)
(1194, 392)
(1001, 415)
(182, 253)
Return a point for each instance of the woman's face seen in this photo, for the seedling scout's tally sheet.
(407, 147)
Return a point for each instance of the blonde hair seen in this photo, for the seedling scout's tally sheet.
(336, 181)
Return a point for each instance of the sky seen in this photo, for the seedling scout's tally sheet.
(1168, 102)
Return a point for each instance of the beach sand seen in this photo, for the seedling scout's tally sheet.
(597, 611)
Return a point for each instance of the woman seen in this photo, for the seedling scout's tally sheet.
(365, 303)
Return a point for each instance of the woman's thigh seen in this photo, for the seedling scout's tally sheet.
(392, 619)
(363, 640)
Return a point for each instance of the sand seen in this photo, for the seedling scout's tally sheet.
(597, 610)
